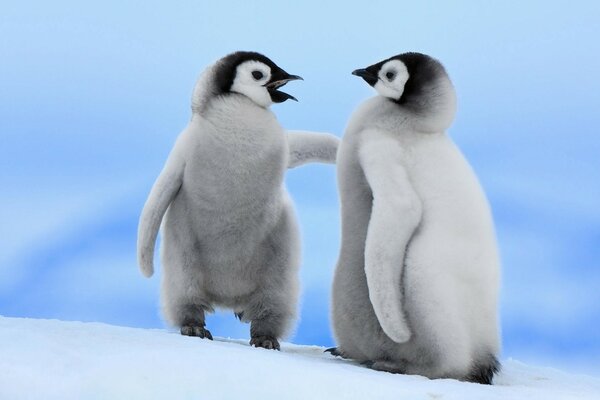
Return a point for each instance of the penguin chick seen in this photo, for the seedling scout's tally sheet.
(416, 284)
(230, 237)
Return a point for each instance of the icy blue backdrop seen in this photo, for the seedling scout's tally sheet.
(92, 97)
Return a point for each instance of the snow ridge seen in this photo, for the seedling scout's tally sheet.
(52, 359)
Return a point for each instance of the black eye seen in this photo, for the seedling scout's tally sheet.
(257, 75)
(390, 75)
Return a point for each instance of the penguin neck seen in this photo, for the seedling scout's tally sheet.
(434, 110)
(229, 106)
(384, 113)
(238, 115)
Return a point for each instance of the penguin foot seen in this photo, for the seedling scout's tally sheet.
(385, 366)
(266, 342)
(334, 352)
(367, 363)
(199, 331)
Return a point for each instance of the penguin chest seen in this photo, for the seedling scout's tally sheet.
(456, 235)
(233, 191)
(242, 168)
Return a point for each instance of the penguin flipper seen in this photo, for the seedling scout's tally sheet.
(395, 215)
(306, 147)
(163, 191)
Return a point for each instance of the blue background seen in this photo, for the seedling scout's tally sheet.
(92, 97)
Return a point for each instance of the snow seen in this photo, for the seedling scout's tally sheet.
(52, 359)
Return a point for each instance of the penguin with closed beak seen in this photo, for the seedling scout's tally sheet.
(416, 285)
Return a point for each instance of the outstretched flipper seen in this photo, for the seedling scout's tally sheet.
(306, 147)
(395, 215)
(163, 192)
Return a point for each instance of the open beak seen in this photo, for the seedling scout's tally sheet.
(279, 79)
(368, 76)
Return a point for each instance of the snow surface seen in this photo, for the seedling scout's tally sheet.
(49, 359)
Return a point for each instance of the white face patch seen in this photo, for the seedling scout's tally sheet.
(250, 78)
(392, 78)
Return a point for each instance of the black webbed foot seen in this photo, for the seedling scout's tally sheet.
(385, 366)
(334, 352)
(367, 363)
(266, 342)
(199, 331)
